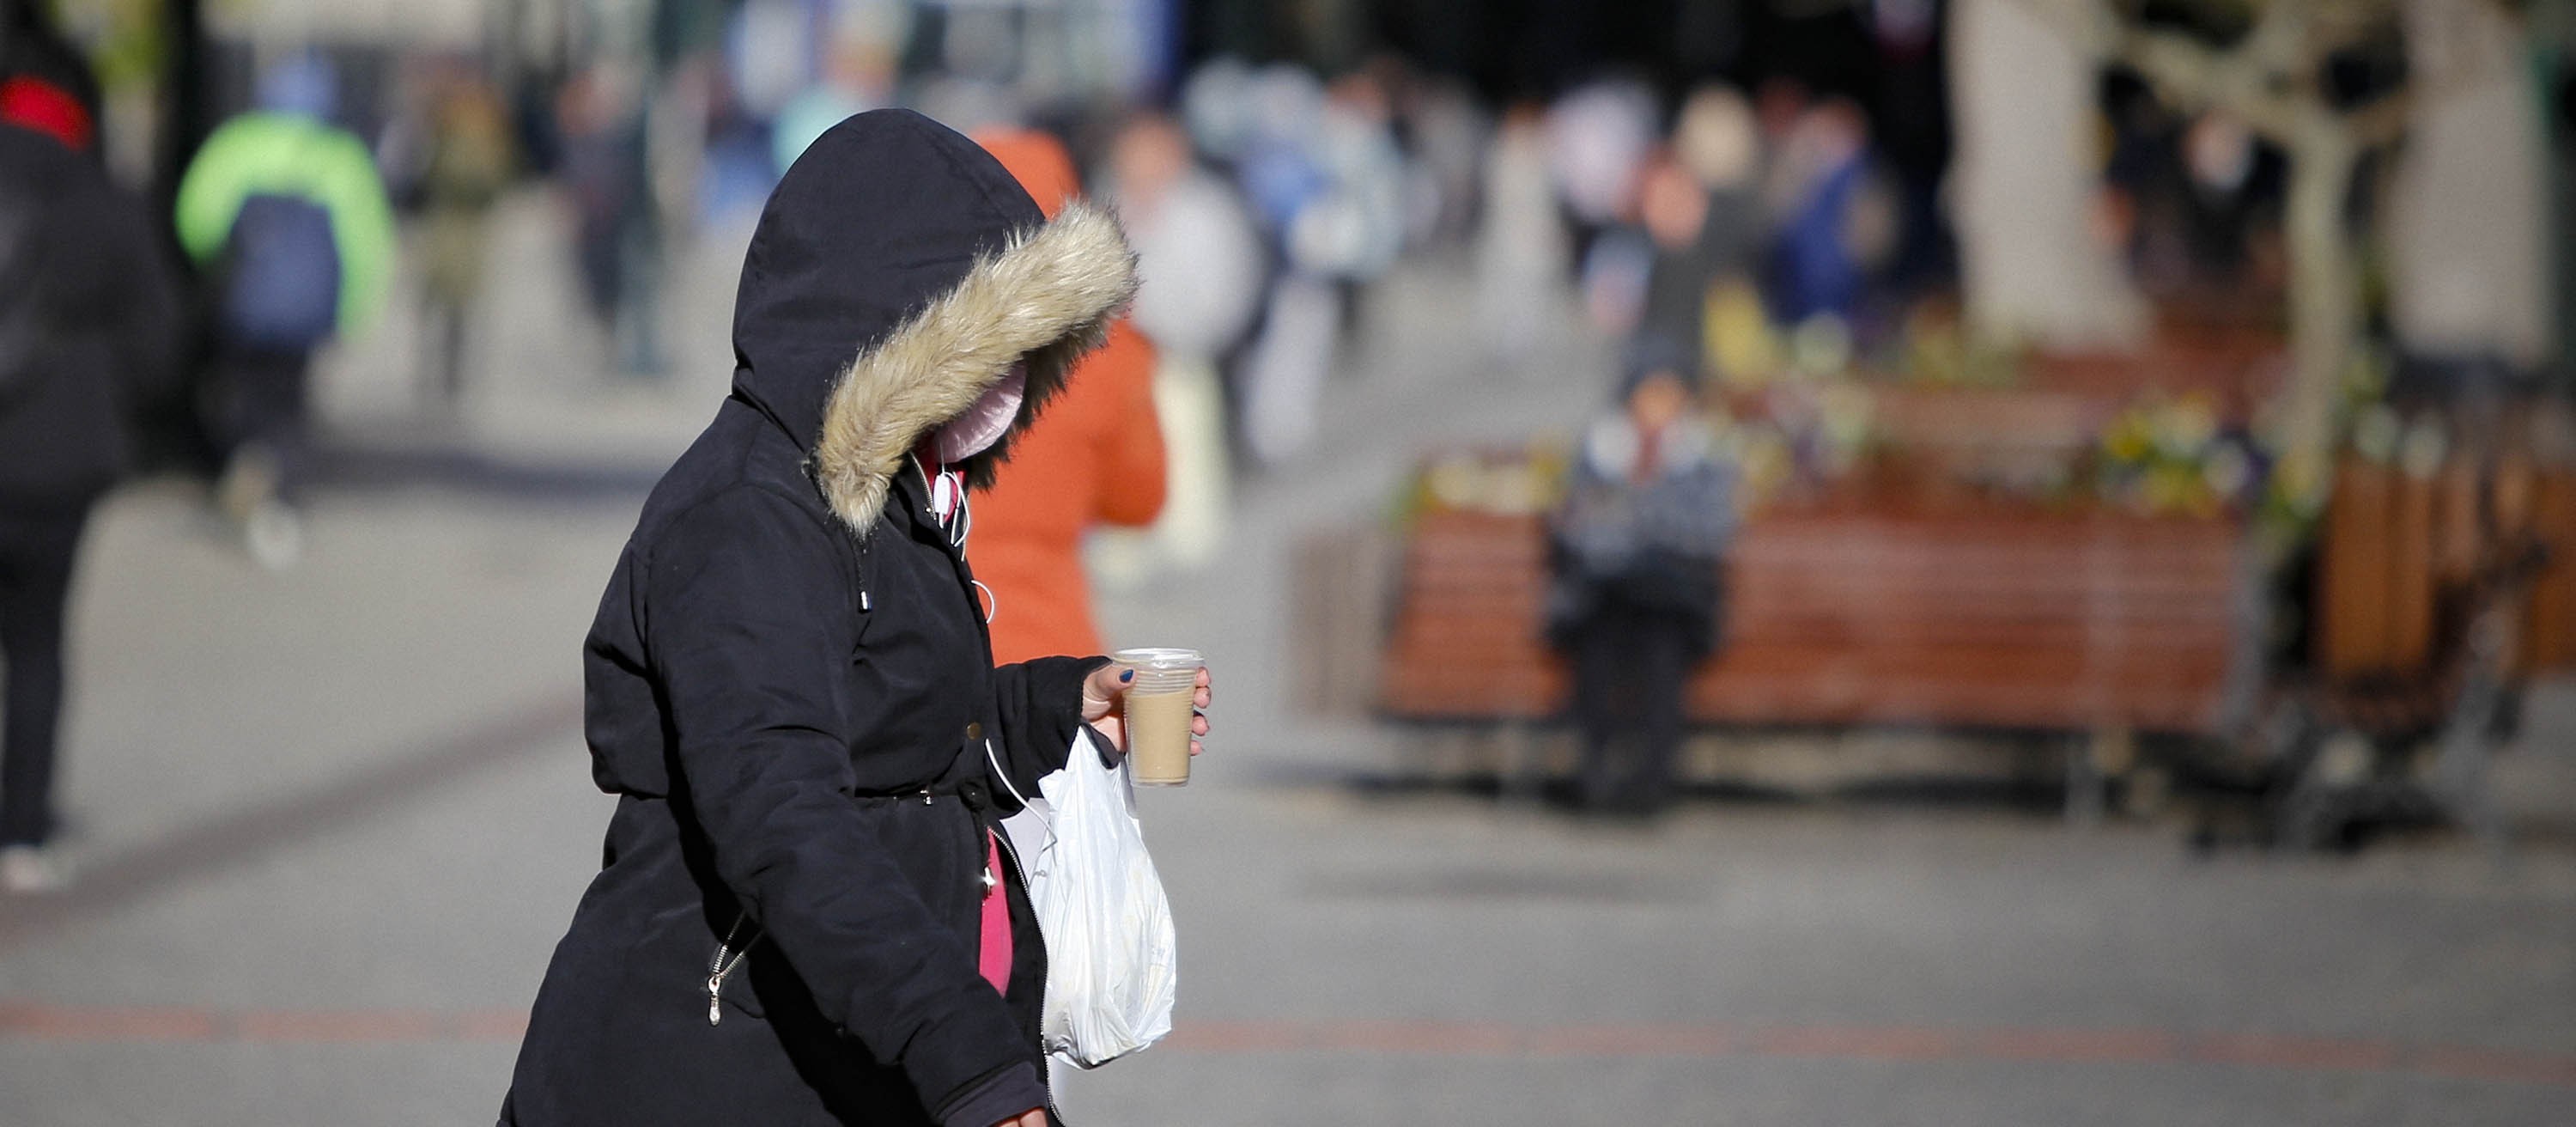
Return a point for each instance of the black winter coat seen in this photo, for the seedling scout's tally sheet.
(791, 692)
(89, 322)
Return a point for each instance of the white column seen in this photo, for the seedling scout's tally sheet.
(2023, 182)
(2468, 218)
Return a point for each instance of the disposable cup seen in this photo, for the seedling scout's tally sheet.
(1161, 703)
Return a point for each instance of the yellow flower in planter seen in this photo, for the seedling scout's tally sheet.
(2170, 488)
(2127, 439)
(1739, 344)
(2186, 426)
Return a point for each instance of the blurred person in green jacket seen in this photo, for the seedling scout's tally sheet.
(289, 219)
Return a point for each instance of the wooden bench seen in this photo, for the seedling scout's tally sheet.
(2021, 619)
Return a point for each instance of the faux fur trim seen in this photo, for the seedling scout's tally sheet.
(1048, 296)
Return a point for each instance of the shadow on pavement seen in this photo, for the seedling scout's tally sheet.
(172, 861)
(378, 469)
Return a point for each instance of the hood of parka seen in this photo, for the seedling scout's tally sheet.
(898, 272)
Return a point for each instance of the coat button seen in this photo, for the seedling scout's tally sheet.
(974, 729)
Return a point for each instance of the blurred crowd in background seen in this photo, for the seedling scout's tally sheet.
(1267, 197)
(2191, 294)
(1754, 188)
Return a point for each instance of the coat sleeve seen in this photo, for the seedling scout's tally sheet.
(148, 310)
(362, 224)
(211, 191)
(748, 627)
(1039, 703)
(1133, 473)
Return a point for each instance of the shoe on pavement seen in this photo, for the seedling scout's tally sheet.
(27, 870)
(250, 480)
(274, 534)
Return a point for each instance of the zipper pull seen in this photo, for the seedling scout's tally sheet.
(990, 881)
(715, 999)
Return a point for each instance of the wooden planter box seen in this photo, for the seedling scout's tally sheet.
(2395, 543)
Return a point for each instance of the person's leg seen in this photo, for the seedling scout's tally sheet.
(1596, 679)
(21, 807)
(289, 427)
(36, 553)
(231, 417)
(434, 366)
(637, 326)
(264, 466)
(262, 424)
(1663, 681)
(451, 352)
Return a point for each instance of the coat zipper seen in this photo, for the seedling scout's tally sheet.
(1010, 853)
(727, 957)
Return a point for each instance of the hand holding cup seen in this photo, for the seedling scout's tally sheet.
(1147, 704)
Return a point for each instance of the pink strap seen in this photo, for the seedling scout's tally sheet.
(994, 959)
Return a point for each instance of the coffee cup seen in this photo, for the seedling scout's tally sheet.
(1161, 706)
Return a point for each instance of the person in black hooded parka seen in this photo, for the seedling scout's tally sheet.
(790, 690)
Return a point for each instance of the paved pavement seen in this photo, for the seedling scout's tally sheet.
(331, 823)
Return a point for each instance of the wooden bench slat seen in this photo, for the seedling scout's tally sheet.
(1837, 617)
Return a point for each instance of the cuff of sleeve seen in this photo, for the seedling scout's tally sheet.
(998, 1097)
(1056, 691)
(952, 1058)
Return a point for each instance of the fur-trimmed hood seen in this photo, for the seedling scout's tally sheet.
(897, 273)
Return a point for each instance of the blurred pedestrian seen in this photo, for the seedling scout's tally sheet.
(288, 217)
(1204, 268)
(805, 915)
(1445, 131)
(89, 317)
(1599, 135)
(471, 160)
(1334, 189)
(1097, 458)
(1637, 598)
(1703, 268)
(858, 76)
(45, 84)
(1204, 273)
(1675, 211)
(617, 221)
(1836, 216)
(1521, 252)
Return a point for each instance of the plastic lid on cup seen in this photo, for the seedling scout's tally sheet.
(1159, 658)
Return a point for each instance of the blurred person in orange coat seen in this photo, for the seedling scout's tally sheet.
(1095, 457)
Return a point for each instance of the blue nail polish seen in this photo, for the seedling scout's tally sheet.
(1126, 676)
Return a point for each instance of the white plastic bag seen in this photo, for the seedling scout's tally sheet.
(1111, 971)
